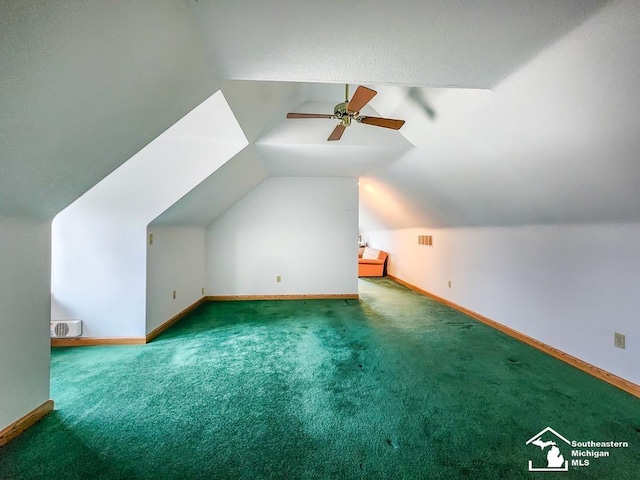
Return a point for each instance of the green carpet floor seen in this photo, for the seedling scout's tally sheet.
(394, 386)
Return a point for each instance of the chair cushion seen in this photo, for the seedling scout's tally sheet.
(370, 253)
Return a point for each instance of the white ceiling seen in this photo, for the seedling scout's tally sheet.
(544, 132)
(83, 87)
(555, 142)
(408, 42)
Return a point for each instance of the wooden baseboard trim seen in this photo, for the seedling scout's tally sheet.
(96, 341)
(158, 330)
(330, 296)
(30, 419)
(597, 372)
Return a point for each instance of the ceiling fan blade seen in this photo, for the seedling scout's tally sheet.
(362, 96)
(309, 115)
(382, 122)
(337, 132)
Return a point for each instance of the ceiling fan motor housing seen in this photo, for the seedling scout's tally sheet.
(341, 112)
(340, 109)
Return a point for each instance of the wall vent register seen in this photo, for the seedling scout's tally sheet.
(425, 240)
(66, 328)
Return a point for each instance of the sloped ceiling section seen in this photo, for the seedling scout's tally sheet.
(89, 84)
(299, 147)
(258, 105)
(326, 160)
(84, 86)
(165, 170)
(218, 192)
(556, 142)
(246, 170)
(431, 42)
(282, 147)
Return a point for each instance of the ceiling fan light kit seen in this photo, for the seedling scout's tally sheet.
(350, 110)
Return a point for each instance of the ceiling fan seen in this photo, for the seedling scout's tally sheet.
(350, 110)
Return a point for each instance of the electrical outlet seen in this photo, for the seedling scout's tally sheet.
(449, 283)
(203, 290)
(618, 340)
(278, 279)
(174, 294)
(151, 239)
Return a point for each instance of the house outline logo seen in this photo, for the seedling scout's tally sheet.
(555, 460)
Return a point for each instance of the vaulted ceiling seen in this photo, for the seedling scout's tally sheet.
(541, 126)
(452, 43)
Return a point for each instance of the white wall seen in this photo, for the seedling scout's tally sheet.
(24, 316)
(301, 228)
(99, 255)
(98, 271)
(570, 287)
(175, 261)
(99, 241)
